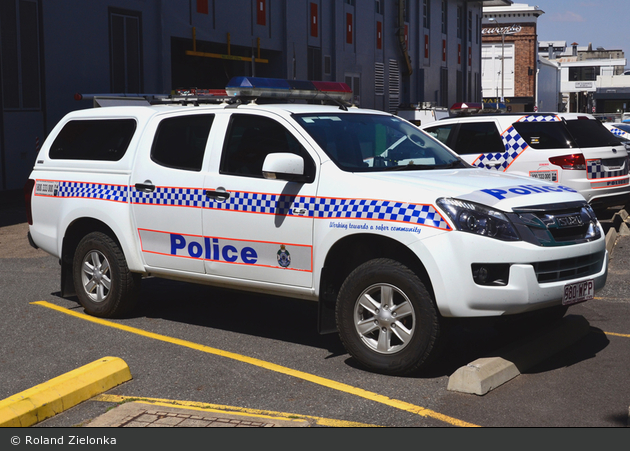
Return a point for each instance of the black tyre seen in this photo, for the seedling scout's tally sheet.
(386, 319)
(102, 280)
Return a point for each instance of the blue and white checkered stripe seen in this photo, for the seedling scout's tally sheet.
(275, 204)
(93, 191)
(514, 146)
(540, 118)
(312, 207)
(379, 209)
(621, 133)
(615, 131)
(181, 197)
(595, 170)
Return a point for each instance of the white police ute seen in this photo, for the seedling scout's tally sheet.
(386, 228)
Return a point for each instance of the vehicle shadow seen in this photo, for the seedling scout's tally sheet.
(273, 317)
(295, 321)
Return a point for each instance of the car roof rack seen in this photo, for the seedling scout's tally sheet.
(239, 90)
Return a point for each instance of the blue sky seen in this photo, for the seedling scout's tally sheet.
(604, 23)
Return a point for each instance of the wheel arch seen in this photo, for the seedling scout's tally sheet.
(350, 252)
(75, 231)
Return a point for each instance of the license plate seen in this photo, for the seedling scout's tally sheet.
(578, 292)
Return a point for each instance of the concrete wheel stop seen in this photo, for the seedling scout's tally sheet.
(487, 373)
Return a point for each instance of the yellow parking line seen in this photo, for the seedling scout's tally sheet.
(401, 405)
(206, 407)
(617, 335)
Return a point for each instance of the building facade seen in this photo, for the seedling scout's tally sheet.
(510, 55)
(390, 52)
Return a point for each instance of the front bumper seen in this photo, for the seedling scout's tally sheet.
(457, 294)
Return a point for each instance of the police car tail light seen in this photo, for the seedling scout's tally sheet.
(28, 195)
(575, 161)
(257, 87)
(478, 219)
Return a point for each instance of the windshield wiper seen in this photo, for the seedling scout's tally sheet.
(414, 167)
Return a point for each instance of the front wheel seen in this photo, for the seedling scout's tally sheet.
(386, 318)
(102, 280)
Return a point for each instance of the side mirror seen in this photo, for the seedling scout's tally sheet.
(284, 166)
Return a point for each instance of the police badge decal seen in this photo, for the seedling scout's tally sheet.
(284, 258)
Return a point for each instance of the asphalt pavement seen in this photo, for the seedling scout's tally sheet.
(111, 410)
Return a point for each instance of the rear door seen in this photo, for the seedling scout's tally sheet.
(167, 193)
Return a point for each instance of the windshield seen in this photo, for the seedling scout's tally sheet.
(359, 142)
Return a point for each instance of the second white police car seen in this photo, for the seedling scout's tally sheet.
(386, 228)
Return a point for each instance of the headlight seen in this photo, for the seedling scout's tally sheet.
(478, 219)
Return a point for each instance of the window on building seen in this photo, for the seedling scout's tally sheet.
(394, 86)
(444, 86)
(349, 30)
(584, 73)
(379, 6)
(460, 22)
(444, 17)
(20, 54)
(426, 13)
(202, 6)
(354, 81)
(314, 20)
(314, 63)
(261, 12)
(379, 79)
(180, 142)
(470, 26)
(125, 51)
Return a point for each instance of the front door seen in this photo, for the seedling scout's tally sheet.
(255, 228)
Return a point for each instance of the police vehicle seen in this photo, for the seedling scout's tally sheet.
(572, 149)
(387, 229)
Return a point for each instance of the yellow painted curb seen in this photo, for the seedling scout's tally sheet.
(50, 398)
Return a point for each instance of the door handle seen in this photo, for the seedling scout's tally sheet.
(146, 187)
(219, 194)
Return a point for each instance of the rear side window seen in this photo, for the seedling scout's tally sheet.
(477, 138)
(180, 142)
(93, 139)
(591, 133)
(545, 135)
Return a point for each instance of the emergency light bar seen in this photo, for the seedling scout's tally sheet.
(257, 87)
(470, 108)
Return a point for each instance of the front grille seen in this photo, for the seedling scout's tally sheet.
(556, 225)
(569, 268)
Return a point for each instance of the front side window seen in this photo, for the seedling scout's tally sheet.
(359, 142)
(180, 142)
(93, 139)
(441, 133)
(251, 138)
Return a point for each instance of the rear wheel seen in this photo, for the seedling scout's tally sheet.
(103, 283)
(386, 319)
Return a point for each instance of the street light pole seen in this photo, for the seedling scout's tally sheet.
(502, 66)
(493, 20)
